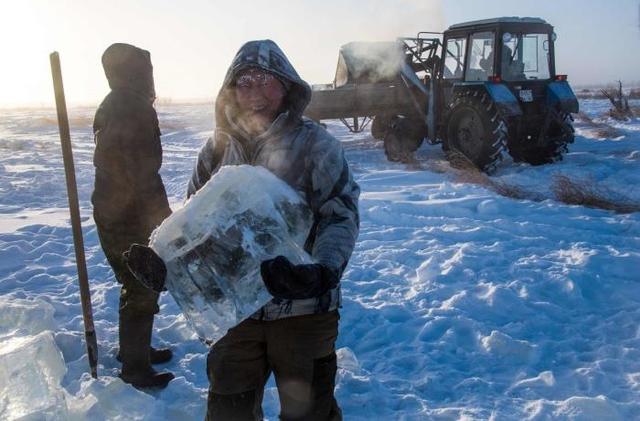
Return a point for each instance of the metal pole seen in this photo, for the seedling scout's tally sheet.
(74, 210)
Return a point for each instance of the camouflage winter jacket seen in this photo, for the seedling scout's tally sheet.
(300, 152)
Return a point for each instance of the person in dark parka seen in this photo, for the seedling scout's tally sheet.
(129, 200)
(259, 122)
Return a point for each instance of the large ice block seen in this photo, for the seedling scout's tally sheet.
(31, 369)
(214, 245)
(19, 317)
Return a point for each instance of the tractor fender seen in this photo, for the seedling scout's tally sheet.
(560, 93)
(505, 101)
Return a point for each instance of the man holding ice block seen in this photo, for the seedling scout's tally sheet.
(259, 122)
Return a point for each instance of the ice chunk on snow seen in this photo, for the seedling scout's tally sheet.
(214, 245)
(25, 317)
(31, 369)
(109, 398)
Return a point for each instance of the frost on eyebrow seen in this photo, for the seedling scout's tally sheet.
(254, 78)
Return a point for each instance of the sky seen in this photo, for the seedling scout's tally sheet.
(192, 42)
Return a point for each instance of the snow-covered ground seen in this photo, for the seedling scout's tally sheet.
(459, 304)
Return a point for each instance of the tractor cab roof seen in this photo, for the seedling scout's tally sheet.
(510, 23)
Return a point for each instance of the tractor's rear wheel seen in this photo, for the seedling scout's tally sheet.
(476, 131)
(403, 137)
(559, 134)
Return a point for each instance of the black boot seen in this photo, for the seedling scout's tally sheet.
(160, 355)
(156, 355)
(135, 340)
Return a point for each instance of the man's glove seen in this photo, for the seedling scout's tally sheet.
(295, 282)
(147, 267)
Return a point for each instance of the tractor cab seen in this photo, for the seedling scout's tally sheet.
(507, 64)
(502, 49)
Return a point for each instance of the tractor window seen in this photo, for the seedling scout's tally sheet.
(525, 57)
(480, 64)
(454, 58)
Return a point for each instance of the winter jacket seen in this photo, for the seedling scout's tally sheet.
(300, 152)
(128, 195)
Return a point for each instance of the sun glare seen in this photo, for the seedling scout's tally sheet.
(24, 54)
(190, 47)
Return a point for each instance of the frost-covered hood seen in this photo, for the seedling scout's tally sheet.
(264, 54)
(129, 67)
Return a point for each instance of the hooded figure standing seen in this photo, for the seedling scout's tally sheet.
(129, 200)
(259, 122)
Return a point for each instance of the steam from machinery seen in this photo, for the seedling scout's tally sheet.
(369, 62)
(364, 38)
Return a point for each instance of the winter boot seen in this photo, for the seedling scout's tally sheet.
(159, 356)
(135, 339)
(156, 355)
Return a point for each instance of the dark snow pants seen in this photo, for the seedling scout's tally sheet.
(135, 299)
(300, 351)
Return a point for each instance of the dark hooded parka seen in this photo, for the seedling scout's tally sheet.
(129, 198)
(129, 194)
(300, 152)
(300, 351)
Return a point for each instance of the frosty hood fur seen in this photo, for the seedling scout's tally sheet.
(263, 54)
(129, 67)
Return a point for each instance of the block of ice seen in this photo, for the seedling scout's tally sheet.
(109, 398)
(31, 369)
(213, 246)
(25, 317)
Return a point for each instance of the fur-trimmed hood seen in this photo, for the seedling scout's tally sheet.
(263, 54)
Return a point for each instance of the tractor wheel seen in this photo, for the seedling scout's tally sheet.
(403, 137)
(476, 131)
(380, 125)
(558, 136)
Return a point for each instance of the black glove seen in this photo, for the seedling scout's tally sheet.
(295, 282)
(146, 266)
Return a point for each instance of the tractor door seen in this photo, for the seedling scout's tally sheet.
(481, 62)
(455, 48)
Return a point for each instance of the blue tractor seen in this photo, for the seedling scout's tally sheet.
(481, 89)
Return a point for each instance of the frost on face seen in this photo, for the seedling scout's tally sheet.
(214, 245)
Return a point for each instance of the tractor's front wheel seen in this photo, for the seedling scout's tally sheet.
(380, 125)
(554, 143)
(476, 131)
(403, 137)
